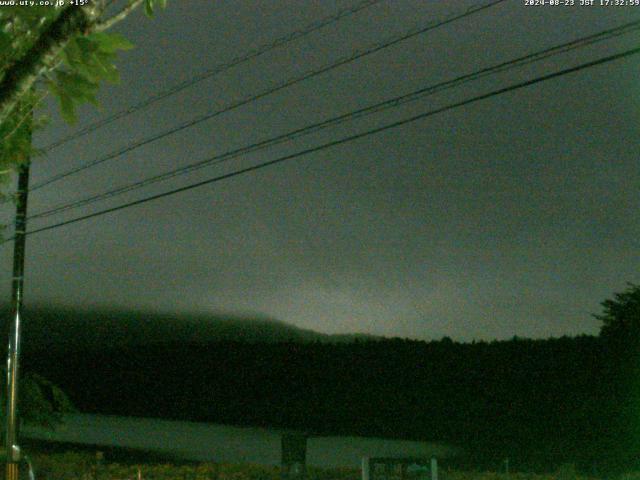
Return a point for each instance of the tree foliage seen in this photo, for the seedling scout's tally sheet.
(621, 315)
(87, 60)
(64, 51)
(41, 401)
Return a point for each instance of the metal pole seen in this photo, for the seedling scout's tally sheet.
(13, 352)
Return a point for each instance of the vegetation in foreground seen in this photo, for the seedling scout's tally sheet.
(74, 465)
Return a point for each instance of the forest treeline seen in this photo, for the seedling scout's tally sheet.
(541, 403)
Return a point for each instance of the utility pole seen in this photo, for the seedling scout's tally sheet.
(13, 351)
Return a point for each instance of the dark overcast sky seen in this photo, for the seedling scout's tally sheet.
(515, 215)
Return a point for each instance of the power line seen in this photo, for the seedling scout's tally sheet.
(288, 83)
(250, 55)
(378, 107)
(343, 61)
(341, 141)
(255, 53)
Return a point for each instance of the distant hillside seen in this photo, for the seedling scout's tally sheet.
(540, 403)
(62, 328)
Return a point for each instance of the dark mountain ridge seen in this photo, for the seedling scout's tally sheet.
(71, 328)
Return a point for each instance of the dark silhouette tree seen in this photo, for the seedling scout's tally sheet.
(621, 315)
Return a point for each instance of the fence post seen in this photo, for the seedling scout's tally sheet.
(434, 468)
(365, 468)
(97, 467)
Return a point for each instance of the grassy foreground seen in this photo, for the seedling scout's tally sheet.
(72, 465)
(81, 466)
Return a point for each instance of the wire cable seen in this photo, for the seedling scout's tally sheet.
(406, 121)
(288, 83)
(179, 87)
(378, 107)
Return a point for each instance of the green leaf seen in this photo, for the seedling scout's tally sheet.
(67, 109)
(148, 7)
(72, 89)
(111, 74)
(87, 47)
(72, 54)
(111, 42)
(5, 42)
(92, 69)
(77, 86)
(102, 68)
(5, 51)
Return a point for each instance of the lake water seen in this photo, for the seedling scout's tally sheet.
(222, 443)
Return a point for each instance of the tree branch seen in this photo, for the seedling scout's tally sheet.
(118, 17)
(42, 55)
